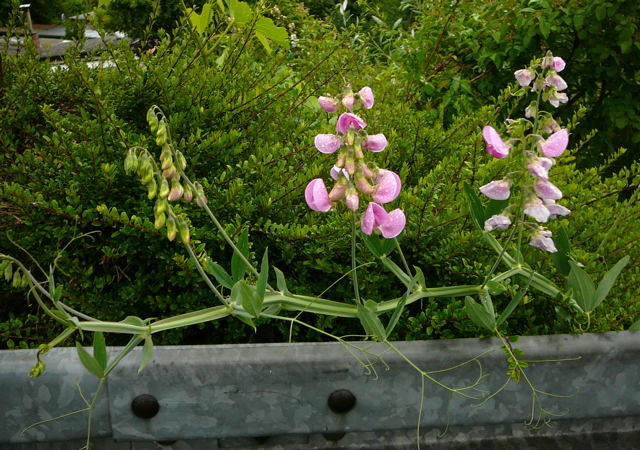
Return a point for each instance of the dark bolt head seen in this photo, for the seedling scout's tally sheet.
(341, 401)
(145, 406)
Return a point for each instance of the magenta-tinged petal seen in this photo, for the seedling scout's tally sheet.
(317, 196)
(347, 120)
(368, 220)
(329, 104)
(554, 62)
(375, 142)
(555, 144)
(327, 143)
(524, 76)
(547, 190)
(495, 145)
(388, 186)
(497, 221)
(394, 224)
(366, 95)
(496, 190)
(537, 211)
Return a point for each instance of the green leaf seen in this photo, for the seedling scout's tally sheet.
(261, 285)
(377, 245)
(561, 258)
(89, 362)
(582, 287)
(240, 12)
(238, 267)
(370, 320)
(147, 353)
(133, 320)
(267, 28)
(396, 270)
(607, 281)
(219, 273)
(515, 301)
(201, 21)
(479, 314)
(264, 41)
(100, 349)
(475, 206)
(635, 326)
(282, 284)
(242, 294)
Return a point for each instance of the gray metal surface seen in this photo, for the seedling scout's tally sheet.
(224, 394)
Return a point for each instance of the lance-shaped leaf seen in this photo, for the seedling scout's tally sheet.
(561, 258)
(238, 266)
(221, 275)
(100, 349)
(607, 281)
(89, 362)
(243, 295)
(475, 206)
(479, 314)
(147, 353)
(281, 282)
(370, 320)
(582, 288)
(261, 285)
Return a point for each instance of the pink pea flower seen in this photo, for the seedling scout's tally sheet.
(539, 167)
(554, 62)
(317, 196)
(531, 110)
(336, 171)
(554, 145)
(388, 224)
(347, 101)
(537, 210)
(375, 142)
(542, 240)
(329, 104)
(347, 120)
(557, 97)
(495, 145)
(556, 80)
(556, 210)
(547, 190)
(388, 186)
(497, 221)
(524, 76)
(496, 190)
(366, 95)
(327, 143)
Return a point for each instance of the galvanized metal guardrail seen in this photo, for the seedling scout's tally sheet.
(300, 395)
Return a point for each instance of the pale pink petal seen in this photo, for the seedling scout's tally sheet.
(347, 101)
(394, 224)
(524, 76)
(317, 196)
(555, 144)
(388, 186)
(366, 95)
(556, 80)
(496, 190)
(497, 221)
(375, 142)
(329, 104)
(537, 210)
(347, 120)
(547, 190)
(352, 201)
(557, 210)
(327, 143)
(495, 145)
(542, 240)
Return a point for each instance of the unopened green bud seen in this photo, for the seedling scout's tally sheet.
(185, 234)
(25, 281)
(182, 161)
(161, 136)
(8, 272)
(38, 369)
(161, 206)
(160, 220)
(176, 190)
(164, 188)
(172, 228)
(152, 188)
(17, 279)
(188, 193)
(152, 119)
(130, 162)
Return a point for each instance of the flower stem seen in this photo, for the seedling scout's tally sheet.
(354, 266)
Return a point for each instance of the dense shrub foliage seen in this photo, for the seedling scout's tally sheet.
(245, 116)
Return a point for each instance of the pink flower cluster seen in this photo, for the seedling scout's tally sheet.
(540, 194)
(354, 177)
